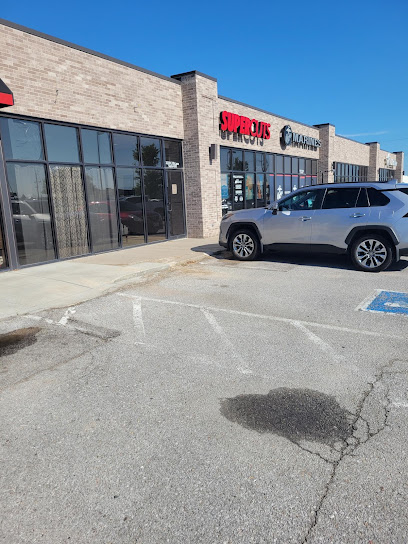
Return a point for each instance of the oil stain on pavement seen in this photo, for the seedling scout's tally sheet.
(296, 414)
(13, 341)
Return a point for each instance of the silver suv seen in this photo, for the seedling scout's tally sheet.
(369, 221)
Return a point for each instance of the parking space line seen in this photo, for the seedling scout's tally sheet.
(138, 317)
(324, 346)
(231, 348)
(268, 317)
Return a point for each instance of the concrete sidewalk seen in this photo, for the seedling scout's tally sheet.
(70, 282)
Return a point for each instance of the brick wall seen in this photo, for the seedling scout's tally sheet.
(202, 176)
(91, 90)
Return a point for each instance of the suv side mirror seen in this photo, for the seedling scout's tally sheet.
(275, 208)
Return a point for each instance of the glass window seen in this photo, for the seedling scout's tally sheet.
(70, 216)
(31, 212)
(287, 184)
(249, 161)
(260, 162)
(302, 166)
(249, 191)
(269, 162)
(151, 155)
(62, 143)
(96, 146)
(237, 163)
(103, 220)
(173, 154)
(238, 188)
(340, 198)
(279, 164)
(226, 193)
(308, 167)
(287, 165)
(131, 207)
(260, 190)
(126, 149)
(295, 183)
(153, 184)
(279, 186)
(225, 155)
(377, 198)
(314, 168)
(270, 188)
(295, 165)
(21, 140)
(304, 200)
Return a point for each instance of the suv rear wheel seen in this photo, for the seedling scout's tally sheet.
(245, 245)
(371, 253)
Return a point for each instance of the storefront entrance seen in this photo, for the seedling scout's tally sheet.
(252, 179)
(73, 190)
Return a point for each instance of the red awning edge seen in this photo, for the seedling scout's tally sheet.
(6, 96)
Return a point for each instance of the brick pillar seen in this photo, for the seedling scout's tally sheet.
(374, 163)
(400, 165)
(202, 176)
(327, 134)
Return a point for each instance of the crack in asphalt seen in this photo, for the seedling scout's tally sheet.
(349, 449)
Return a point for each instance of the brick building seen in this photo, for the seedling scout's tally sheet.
(97, 154)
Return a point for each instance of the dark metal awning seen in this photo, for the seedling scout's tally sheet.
(6, 96)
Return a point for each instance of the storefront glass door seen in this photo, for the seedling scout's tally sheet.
(175, 203)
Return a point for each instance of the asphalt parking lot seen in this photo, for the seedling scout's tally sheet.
(222, 402)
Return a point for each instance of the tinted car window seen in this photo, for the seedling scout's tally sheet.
(377, 198)
(340, 198)
(362, 200)
(305, 200)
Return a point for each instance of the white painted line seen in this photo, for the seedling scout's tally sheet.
(231, 348)
(269, 317)
(138, 317)
(400, 404)
(367, 301)
(396, 304)
(324, 346)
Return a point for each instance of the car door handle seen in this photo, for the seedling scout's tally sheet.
(357, 215)
(304, 218)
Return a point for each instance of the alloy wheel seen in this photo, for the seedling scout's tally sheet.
(243, 245)
(371, 253)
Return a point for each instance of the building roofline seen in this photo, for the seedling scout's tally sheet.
(265, 111)
(350, 139)
(83, 49)
(194, 72)
(324, 125)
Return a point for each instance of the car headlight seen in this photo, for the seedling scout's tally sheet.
(227, 216)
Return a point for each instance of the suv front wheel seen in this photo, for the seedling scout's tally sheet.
(245, 245)
(371, 253)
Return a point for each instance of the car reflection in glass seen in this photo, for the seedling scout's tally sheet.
(32, 227)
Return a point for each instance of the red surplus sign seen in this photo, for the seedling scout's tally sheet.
(244, 125)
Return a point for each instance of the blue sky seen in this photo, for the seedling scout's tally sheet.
(314, 61)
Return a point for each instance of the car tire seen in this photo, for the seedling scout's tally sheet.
(371, 253)
(244, 245)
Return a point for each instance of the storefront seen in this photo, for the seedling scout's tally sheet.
(100, 155)
(76, 190)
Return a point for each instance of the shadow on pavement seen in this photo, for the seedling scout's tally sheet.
(341, 262)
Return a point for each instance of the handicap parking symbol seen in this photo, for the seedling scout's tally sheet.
(389, 302)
